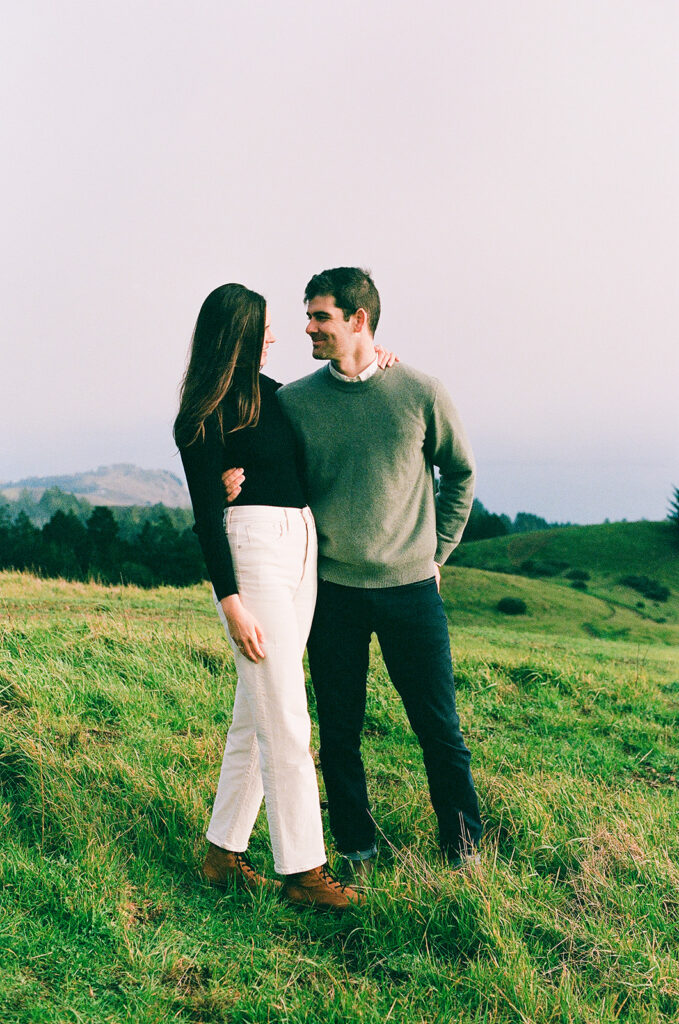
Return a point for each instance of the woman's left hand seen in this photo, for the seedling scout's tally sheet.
(233, 483)
(384, 358)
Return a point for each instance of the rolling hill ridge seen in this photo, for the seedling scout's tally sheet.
(119, 484)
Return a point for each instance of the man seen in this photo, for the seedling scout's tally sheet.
(370, 440)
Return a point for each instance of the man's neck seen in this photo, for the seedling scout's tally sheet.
(355, 362)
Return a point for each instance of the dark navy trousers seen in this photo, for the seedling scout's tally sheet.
(412, 629)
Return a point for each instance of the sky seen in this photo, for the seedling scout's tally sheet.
(508, 171)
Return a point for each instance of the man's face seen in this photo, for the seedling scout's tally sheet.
(331, 335)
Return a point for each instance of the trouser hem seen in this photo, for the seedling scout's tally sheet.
(224, 844)
(302, 865)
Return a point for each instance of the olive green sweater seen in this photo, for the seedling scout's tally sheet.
(369, 451)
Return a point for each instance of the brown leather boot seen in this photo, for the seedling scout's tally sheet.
(226, 868)
(318, 888)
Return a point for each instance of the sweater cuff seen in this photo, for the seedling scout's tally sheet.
(225, 589)
(444, 550)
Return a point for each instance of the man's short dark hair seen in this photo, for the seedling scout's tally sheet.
(351, 288)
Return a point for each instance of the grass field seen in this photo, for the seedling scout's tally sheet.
(114, 707)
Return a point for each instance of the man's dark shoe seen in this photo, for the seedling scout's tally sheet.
(224, 868)
(358, 871)
(318, 888)
(467, 861)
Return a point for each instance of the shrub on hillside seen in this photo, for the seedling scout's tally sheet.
(650, 589)
(534, 569)
(578, 574)
(579, 584)
(512, 606)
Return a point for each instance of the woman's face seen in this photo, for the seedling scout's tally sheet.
(269, 338)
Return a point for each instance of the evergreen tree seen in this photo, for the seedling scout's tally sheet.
(483, 524)
(102, 527)
(53, 499)
(526, 522)
(24, 544)
(102, 532)
(5, 531)
(673, 513)
(67, 540)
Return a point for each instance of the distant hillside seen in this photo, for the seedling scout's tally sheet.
(613, 581)
(120, 484)
(602, 611)
(607, 551)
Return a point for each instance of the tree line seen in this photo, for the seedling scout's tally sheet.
(483, 524)
(147, 546)
(60, 535)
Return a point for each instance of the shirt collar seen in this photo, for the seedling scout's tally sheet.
(363, 375)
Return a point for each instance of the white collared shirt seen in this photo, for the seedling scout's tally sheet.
(363, 375)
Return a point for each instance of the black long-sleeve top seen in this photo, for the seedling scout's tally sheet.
(268, 455)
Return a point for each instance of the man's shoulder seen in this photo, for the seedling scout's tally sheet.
(304, 385)
(402, 375)
(399, 378)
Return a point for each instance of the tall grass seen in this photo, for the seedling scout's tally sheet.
(114, 707)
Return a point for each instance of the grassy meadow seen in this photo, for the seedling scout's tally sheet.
(114, 705)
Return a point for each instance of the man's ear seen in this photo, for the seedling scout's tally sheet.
(360, 319)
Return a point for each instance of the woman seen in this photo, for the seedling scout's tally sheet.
(261, 559)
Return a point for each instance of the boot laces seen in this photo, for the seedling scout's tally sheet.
(331, 880)
(245, 865)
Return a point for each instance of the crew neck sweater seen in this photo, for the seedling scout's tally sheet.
(369, 450)
(363, 375)
(267, 453)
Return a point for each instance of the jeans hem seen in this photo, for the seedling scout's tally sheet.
(357, 855)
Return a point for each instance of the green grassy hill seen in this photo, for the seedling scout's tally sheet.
(114, 705)
(537, 568)
(608, 550)
(471, 597)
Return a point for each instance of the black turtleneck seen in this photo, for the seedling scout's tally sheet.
(268, 456)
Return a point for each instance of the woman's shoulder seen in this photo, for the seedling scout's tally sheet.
(229, 409)
(268, 383)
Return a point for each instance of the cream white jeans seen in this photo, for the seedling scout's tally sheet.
(267, 748)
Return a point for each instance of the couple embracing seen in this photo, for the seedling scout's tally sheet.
(333, 532)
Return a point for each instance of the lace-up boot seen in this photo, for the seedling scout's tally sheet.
(226, 868)
(319, 888)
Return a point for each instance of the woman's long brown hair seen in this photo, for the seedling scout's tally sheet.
(229, 333)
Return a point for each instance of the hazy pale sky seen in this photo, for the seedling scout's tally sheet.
(507, 169)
